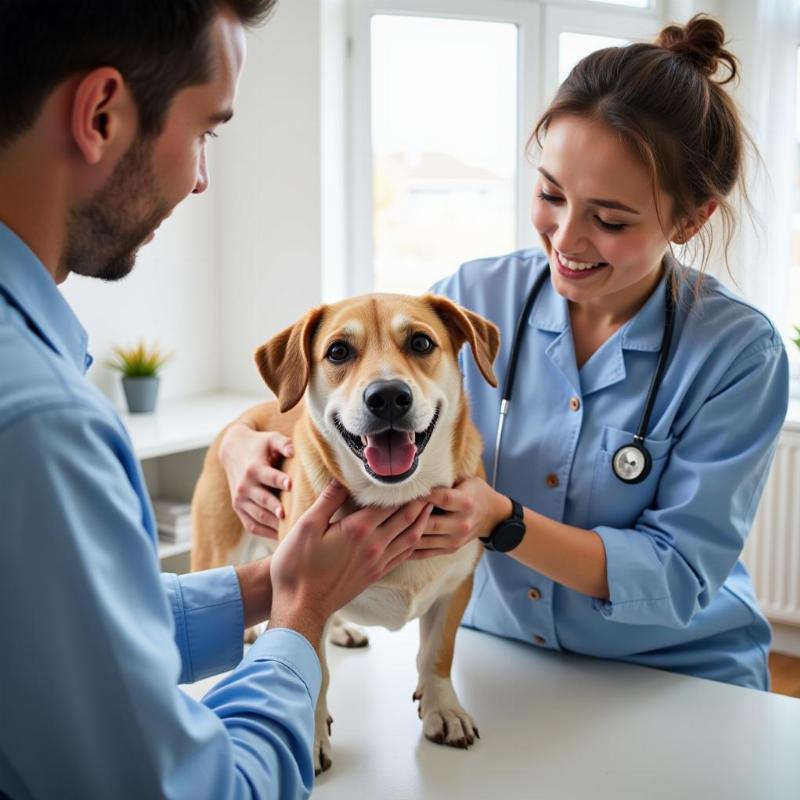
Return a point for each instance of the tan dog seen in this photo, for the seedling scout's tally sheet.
(385, 413)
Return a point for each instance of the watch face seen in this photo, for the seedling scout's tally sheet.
(508, 535)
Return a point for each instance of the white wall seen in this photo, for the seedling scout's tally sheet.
(269, 217)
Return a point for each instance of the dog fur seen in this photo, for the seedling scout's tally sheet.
(321, 405)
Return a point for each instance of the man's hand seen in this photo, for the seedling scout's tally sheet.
(248, 458)
(320, 567)
(471, 509)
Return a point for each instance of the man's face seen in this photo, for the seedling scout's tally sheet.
(104, 234)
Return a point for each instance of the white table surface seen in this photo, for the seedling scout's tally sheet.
(552, 726)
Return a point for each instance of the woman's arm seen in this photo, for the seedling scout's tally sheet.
(668, 565)
(571, 556)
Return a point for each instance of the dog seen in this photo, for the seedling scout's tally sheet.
(371, 393)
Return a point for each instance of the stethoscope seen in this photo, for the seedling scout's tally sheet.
(631, 462)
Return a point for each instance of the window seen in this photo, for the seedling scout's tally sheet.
(793, 298)
(629, 3)
(444, 122)
(572, 47)
(443, 95)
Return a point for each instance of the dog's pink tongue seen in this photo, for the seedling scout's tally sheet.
(391, 452)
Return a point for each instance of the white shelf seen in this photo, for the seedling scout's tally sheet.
(168, 550)
(182, 425)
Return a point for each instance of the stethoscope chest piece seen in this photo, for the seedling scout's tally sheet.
(631, 463)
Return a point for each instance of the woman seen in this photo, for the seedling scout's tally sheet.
(639, 148)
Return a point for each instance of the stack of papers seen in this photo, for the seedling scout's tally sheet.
(174, 520)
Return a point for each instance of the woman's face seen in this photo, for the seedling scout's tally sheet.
(594, 210)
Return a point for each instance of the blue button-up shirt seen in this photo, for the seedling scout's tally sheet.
(94, 640)
(680, 599)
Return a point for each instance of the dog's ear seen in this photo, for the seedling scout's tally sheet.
(285, 360)
(464, 325)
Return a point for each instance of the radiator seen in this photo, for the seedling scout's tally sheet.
(772, 553)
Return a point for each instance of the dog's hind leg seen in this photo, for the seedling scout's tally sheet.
(444, 721)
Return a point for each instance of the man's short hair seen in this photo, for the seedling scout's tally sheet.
(159, 47)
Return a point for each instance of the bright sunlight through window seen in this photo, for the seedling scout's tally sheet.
(794, 270)
(444, 141)
(628, 3)
(572, 47)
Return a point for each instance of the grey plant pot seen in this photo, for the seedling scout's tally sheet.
(141, 394)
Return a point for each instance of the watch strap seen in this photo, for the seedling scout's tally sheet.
(516, 520)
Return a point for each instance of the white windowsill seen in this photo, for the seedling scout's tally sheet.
(169, 550)
(180, 425)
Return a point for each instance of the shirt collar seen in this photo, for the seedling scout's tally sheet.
(28, 285)
(643, 331)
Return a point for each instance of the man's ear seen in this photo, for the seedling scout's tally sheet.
(285, 360)
(467, 326)
(690, 226)
(103, 111)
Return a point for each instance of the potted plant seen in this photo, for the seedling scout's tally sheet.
(139, 366)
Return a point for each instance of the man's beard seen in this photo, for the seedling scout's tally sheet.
(104, 234)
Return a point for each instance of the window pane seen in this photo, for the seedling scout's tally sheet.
(444, 140)
(572, 47)
(794, 269)
(630, 3)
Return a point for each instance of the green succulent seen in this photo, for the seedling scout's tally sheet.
(796, 340)
(139, 361)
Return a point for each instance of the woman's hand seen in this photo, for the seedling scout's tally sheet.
(248, 458)
(470, 509)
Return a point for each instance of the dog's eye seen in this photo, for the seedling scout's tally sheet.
(339, 352)
(420, 343)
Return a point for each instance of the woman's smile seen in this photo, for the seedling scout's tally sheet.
(577, 270)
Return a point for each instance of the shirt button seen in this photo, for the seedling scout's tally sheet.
(538, 639)
(534, 593)
(574, 403)
(552, 480)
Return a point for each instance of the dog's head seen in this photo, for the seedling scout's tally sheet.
(382, 385)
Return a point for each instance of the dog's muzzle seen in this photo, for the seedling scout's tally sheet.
(389, 453)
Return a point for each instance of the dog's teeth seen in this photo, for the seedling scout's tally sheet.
(411, 437)
(364, 441)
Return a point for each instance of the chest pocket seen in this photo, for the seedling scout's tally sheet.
(619, 504)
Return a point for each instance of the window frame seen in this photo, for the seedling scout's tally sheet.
(539, 23)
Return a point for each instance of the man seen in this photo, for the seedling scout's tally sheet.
(105, 108)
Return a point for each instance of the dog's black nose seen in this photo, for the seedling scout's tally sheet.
(388, 400)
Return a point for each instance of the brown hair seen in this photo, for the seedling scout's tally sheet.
(159, 47)
(667, 102)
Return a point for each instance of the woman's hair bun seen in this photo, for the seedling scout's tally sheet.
(701, 42)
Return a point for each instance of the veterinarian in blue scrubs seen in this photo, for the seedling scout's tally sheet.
(629, 547)
(645, 571)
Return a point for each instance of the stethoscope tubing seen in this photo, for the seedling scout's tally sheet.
(637, 444)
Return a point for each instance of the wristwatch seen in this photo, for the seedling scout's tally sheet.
(506, 535)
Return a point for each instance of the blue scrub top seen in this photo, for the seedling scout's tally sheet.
(680, 598)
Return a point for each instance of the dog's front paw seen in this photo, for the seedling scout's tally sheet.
(322, 745)
(444, 721)
(346, 635)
